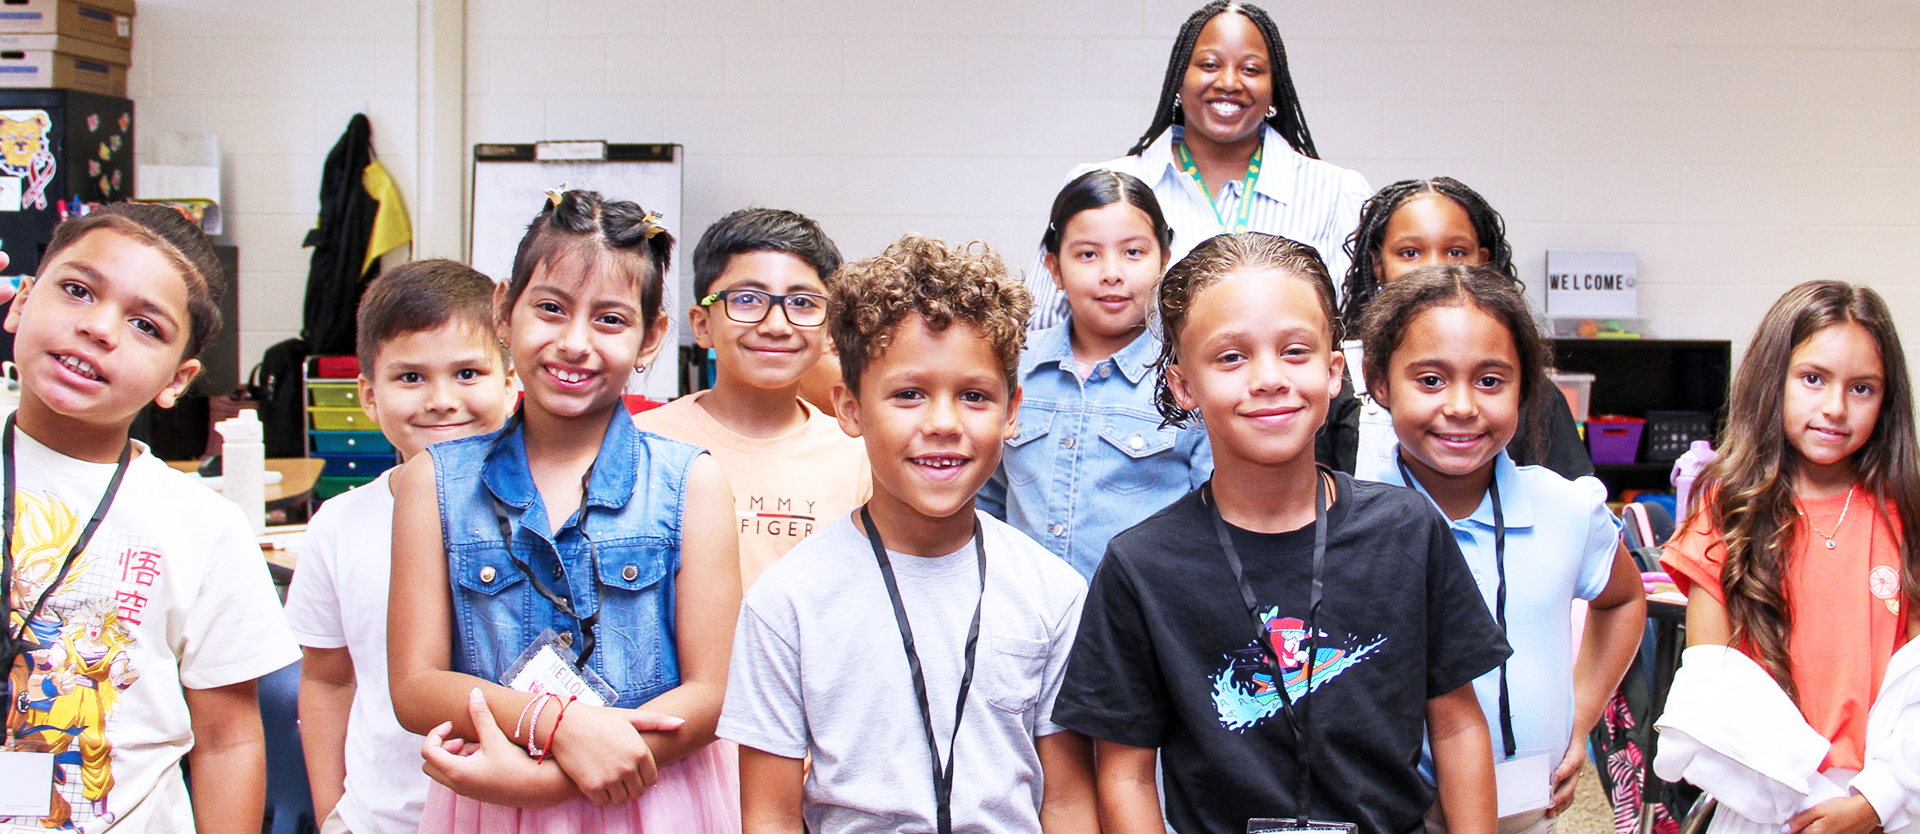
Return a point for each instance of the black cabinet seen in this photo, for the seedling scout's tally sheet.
(57, 146)
(1636, 376)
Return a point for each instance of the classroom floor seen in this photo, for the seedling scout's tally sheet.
(1590, 813)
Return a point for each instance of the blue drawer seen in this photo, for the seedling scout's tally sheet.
(357, 466)
(351, 443)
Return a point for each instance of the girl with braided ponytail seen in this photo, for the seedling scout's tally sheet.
(1408, 225)
(1799, 552)
(571, 581)
(1228, 150)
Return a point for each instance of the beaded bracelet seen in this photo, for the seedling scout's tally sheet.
(540, 703)
(551, 734)
(517, 724)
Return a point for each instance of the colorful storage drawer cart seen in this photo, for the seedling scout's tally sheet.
(339, 432)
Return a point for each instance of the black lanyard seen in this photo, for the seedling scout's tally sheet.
(942, 777)
(559, 602)
(15, 641)
(1296, 715)
(1499, 596)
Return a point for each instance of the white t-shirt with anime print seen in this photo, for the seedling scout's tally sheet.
(171, 592)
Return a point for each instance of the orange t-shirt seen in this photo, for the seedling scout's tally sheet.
(1836, 596)
(783, 488)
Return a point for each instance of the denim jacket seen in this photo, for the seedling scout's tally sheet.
(615, 558)
(1090, 458)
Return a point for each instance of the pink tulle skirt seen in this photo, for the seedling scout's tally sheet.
(700, 793)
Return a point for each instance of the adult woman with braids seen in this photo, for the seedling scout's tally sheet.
(1229, 150)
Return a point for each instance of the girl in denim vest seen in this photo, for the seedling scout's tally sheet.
(1092, 457)
(571, 582)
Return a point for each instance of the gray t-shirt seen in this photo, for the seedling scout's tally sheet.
(818, 669)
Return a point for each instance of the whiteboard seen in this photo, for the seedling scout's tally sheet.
(509, 187)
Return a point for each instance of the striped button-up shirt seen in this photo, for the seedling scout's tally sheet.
(1297, 197)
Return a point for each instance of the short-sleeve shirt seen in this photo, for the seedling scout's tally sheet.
(1835, 596)
(1168, 657)
(784, 488)
(1561, 541)
(338, 600)
(818, 669)
(171, 592)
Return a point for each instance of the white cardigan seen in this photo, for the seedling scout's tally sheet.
(1730, 730)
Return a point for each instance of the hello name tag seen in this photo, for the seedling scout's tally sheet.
(549, 666)
(547, 672)
(1286, 825)
(1523, 784)
(26, 784)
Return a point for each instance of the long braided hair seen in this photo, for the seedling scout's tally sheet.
(1363, 246)
(1287, 118)
(1747, 491)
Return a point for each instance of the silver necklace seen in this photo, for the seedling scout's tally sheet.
(1836, 524)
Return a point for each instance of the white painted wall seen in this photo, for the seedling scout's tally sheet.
(1740, 147)
(278, 82)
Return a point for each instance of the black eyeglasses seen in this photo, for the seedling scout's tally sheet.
(802, 309)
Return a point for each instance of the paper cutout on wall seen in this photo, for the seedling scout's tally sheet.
(25, 151)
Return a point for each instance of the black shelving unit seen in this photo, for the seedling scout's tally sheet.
(1635, 376)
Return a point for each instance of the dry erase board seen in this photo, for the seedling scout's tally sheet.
(510, 184)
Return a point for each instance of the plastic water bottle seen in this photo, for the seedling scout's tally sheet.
(1685, 471)
(243, 461)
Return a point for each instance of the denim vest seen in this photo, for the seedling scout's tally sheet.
(617, 556)
(1091, 458)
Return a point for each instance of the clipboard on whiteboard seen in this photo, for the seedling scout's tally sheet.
(510, 184)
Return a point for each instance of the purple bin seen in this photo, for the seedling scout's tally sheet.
(1613, 438)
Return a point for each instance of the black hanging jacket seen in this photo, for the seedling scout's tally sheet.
(339, 244)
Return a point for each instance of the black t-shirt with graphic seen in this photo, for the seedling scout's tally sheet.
(1168, 657)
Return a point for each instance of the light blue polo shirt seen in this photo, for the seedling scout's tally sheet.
(1561, 540)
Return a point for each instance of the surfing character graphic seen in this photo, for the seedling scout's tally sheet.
(1245, 693)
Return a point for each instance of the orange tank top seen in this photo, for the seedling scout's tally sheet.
(1845, 604)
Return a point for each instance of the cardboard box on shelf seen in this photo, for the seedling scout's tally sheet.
(101, 21)
(60, 62)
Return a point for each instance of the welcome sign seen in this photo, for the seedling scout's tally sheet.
(1592, 283)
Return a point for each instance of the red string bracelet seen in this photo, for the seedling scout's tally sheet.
(548, 747)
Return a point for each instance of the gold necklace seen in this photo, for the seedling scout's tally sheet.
(1836, 524)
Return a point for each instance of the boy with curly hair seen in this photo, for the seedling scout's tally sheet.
(916, 618)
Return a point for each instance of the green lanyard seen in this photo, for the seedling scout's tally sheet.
(1246, 188)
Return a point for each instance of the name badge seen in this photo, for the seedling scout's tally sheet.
(1523, 783)
(548, 666)
(1287, 825)
(1373, 449)
(26, 784)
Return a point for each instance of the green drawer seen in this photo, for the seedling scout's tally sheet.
(341, 419)
(333, 394)
(331, 485)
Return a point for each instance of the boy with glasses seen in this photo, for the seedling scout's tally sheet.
(760, 282)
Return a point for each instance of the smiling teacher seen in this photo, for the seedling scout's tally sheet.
(1229, 151)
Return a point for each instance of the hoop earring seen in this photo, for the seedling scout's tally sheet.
(1271, 112)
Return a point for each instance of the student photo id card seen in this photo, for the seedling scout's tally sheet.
(26, 784)
(1288, 825)
(550, 666)
(1523, 783)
